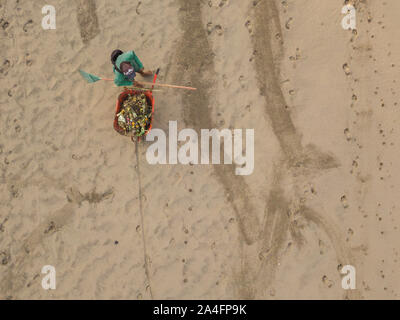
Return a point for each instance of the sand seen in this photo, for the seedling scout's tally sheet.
(324, 106)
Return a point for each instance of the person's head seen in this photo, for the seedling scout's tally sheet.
(128, 71)
(114, 55)
(125, 67)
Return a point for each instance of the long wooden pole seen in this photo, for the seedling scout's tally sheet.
(158, 84)
(166, 85)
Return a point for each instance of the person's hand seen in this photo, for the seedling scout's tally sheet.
(137, 84)
(146, 73)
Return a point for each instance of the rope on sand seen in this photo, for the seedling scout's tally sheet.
(146, 264)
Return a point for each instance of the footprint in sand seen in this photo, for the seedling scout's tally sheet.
(211, 28)
(249, 26)
(242, 82)
(219, 30)
(2, 228)
(5, 257)
(27, 25)
(347, 134)
(4, 24)
(5, 67)
(28, 60)
(288, 23)
(14, 191)
(346, 69)
(350, 232)
(322, 247)
(223, 3)
(138, 7)
(354, 166)
(51, 228)
(253, 55)
(327, 282)
(344, 202)
(214, 3)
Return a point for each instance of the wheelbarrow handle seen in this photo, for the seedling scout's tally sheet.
(155, 78)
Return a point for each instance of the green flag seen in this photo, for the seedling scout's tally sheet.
(89, 77)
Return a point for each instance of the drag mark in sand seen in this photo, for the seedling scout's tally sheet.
(195, 63)
(146, 262)
(267, 61)
(300, 161)
(87, 19)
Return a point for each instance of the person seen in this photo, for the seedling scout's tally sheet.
(125, 67)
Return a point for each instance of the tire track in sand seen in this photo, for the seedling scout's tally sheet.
(301, 162)
(195, 63)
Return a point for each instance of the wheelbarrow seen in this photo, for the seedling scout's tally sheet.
(150, 100)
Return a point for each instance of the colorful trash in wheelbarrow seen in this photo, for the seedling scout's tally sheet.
(134, 112)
